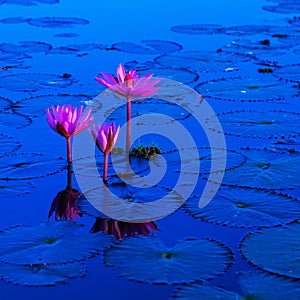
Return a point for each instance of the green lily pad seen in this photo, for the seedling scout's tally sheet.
(241, 207)
(260, 124)
(41, 275)
(147, 259)
(275, 249)
(49, 243)
(8, 144)
(253, 286)
(267, 169)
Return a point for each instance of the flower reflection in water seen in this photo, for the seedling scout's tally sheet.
(120, 229)
(64, 204)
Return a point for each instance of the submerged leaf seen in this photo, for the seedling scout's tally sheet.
(147, 259)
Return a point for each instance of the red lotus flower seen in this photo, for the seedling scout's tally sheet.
(68, 121)
(130, 84)
(105, 137)
(121, 229)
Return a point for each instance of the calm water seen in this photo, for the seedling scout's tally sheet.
(109, 23)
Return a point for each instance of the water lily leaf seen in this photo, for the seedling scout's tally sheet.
(8, 144)
(32, 82)
(12, 189)
(41, 275)
(246, 30)
(275, 249)
(266, 169)
(149, 47)
(13, 20)
(260, 124)
(36, 106)
(264, 286)
(25, 46)
(121, 201)
(57, 22)
(253, 285)
(240, 207)
(201, 291)
(147, 259)
(77, 49)
(67, 35)
(289, 72)
(189, 156)
(23, 166)
(13, 120)
(178, 74)
(13, 58)
(196, 29)
(203, 61)
(283, 8)
(247, 89)
(49, 243)
(5, 103)
(150, 106)
(28, 2)
(117, 165)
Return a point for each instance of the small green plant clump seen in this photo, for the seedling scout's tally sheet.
(146, 152)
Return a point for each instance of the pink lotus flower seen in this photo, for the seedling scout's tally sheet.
(120, 229)
(68, 121)
(105, 137)
(131, 84)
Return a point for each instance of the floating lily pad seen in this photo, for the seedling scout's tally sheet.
(147, 259)
(275, 249)
(31, 82)
(196, 29)
(77, 49)
(283, 8)
(57, 22)
(28, 2)
(289, 72)
(23, 166)
(189, 156)
(260, 124)
(13, 57)
(178, 74)
(8, 144)
(48, 243)
(240, 207)
(149, 47)
(246, 30)
(132, 202)
(36, 106)
(203, 61)
(13, 20)
(13, 120)
(25, 46)
(261, 88)
(117, 165)
(150, 106)
(67, 35)
(11, 189)
(253, 285)
(267, 169)
(5, 103)
(41, 275)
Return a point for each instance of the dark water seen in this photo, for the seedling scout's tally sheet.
(74, 41)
